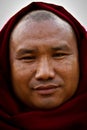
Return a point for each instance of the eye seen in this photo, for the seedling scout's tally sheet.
(59, 55)
(27, 58)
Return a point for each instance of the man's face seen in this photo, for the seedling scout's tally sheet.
(44, 63)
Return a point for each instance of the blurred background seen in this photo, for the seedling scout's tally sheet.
(78, 8)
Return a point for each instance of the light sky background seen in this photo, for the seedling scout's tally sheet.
(78, 8)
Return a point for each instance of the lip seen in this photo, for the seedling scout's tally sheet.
(46, 89)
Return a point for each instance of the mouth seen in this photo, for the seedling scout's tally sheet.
(46, 89)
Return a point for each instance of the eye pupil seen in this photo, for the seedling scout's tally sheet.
(29, 57)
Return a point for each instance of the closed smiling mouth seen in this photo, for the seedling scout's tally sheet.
(46, 89)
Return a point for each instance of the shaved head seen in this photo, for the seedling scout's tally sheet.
(39, 15)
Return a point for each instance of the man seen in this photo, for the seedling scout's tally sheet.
(43, 70)
(43, 53)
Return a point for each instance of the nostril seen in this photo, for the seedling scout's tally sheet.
(44, 78)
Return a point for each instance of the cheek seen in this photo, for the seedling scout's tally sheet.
(69, 71)
(21, 76)
(22, 72)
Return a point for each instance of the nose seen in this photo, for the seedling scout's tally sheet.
(44, 70)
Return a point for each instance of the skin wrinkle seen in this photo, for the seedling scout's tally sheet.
(44, 54)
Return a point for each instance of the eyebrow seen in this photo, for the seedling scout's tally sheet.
(61, 47)
(25, 51)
